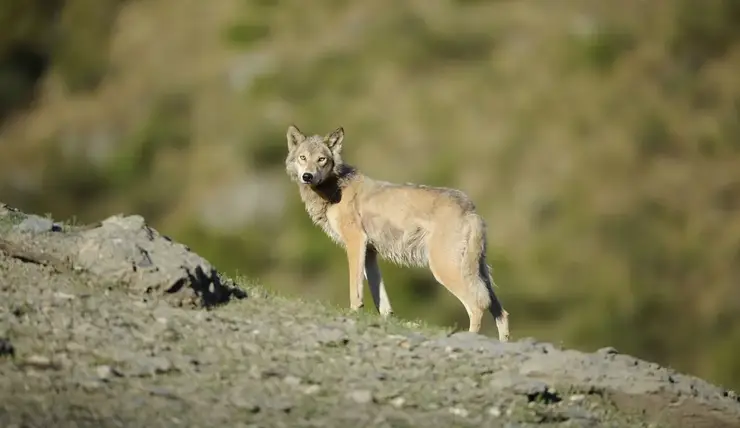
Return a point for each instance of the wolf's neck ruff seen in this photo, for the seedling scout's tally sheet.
(317, 199)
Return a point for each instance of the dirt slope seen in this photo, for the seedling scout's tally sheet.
(113, 324)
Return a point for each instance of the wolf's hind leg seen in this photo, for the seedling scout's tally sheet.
(376, 284)
(448, 273)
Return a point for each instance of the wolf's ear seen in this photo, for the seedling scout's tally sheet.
(295, 137)
(334, 140)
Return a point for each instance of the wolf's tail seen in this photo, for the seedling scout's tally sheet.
(474, 266)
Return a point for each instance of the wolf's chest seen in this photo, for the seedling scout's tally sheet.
(328, 220)
(331, 225)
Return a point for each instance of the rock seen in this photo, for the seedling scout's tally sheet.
(124, 251)
(105, 372)
(35, 224)
(534, 390)
(64, 296)
(282, 405)
(361, 396)
(468, 341)
(577, 398)
(311, 389)
(398, 402)
(270, 373)
(608, 350)
(74, 347)
(292, 380)
(150, 366)
(6, 348)
(332, 337)
(163, 392)
(39, 362)
(90, 384)
(578, 414)
(459, 411)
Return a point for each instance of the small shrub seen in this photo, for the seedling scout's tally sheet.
(72, 185)
(21, 68)
(244, 34)
(27, 30)
(653, 136)
(80, 51)
(267, 147)
(419, 46)
(168, 127)
(329, 74)
(245, 250)
(602, 48)
(704, 30)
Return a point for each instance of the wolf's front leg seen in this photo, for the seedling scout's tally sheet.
(355, 245)
(377, 286)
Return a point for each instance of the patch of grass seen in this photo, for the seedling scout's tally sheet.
(167, 128)
(443, 173)
(253, 24)
(728, 197)
(266, 148)
(246, 251)
(654, 137)
(474, 2)
(21, 68)
(27, 22)
(251, 286)
(730, 126)
(601, 48)
(368, 318)
(335, 72)
(704, 31)
(315, 254)
(418, 45)
(246, 33)
(81, 50)
(74, 185)
(723, 139)
(144, 163)
(25, 50)
(9, 220)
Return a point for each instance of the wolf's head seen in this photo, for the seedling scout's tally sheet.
(313, 158)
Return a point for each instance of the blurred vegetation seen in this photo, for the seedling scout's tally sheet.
(70, 36)
(600, 140)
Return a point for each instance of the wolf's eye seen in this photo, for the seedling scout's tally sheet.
(322, 159)
(302, 157)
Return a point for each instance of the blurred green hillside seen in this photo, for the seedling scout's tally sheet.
(599, 139)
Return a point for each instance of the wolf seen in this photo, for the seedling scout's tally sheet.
(407, 224)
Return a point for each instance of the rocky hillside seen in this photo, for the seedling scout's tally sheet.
(114, 325)
(599, 140)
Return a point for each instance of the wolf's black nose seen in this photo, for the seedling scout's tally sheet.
(307, 177)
